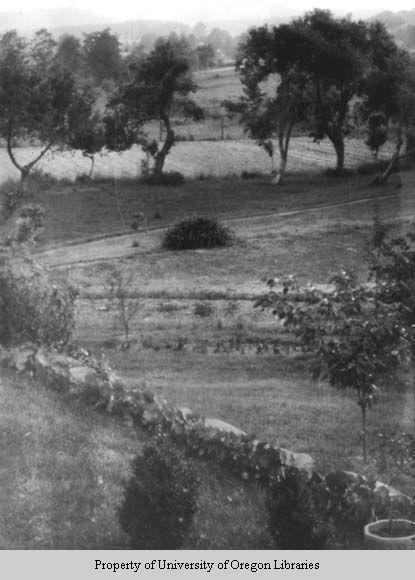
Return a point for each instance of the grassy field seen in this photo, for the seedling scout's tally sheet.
(222, 363)
(217, 85)
(196, 340)
(194, 159)
(62, 469)
(214, 87)
(103, 208)
(216, 146)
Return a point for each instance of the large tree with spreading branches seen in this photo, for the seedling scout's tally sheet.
(323, 64)
(39, 99)
(157, 85)
(269, 115)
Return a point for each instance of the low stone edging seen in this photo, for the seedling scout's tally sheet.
(94, 383)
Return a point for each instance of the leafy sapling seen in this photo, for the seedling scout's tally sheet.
(124, 307)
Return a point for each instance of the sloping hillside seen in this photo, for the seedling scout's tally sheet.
(62, 468)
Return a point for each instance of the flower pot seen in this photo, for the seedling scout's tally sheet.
(390, 535)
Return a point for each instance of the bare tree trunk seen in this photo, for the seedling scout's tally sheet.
(279, 178)
(92, 160)
(333, 129)
(160, 157)
(24, 169)
(284, 136)
(392, 164)
(364, 432)
(338, 144)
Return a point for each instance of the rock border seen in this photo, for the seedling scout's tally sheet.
(96, 384)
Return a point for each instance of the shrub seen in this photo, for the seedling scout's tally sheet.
(169, 307)
(197, 232)
(371, 167)
(159, 499)
(11, 194)
(380, 165)
(297, 512)
(23, 231)
(171, 178)
(83, 179)
(35, 213)
(28, 224)
(251, 174)
(231, 308)
(31, 308)
(203, 309)
(334, 172)
(395, 452)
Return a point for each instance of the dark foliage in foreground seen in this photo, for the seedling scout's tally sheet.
(159, 499)
(297, 512)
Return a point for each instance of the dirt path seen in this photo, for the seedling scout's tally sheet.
(121, 245)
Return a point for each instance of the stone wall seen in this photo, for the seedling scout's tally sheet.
(94, 383)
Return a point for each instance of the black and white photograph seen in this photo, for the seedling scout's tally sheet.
(207, 280)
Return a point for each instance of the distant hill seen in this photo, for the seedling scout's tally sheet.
(77, 22)
(395, 19)
(401, 24)
(237, 27)
(389, 19)
(50, 18)
(129, 31)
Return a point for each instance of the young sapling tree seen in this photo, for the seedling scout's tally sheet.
(353, 336)
(119, 284)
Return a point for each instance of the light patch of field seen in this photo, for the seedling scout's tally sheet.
(211, 158)
(217, 85)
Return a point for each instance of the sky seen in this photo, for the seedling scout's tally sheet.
(205, 10)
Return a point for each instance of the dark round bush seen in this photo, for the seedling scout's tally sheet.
(197, 232)
(159, 499)
(297, 512)
(169, 178)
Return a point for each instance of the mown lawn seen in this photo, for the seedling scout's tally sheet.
(61, 472)
(76, 211)
(101, 209)
(273, 398)
(185, 357)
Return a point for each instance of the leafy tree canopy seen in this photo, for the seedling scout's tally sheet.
(102, 54)
(157, 84)
(39, 100)
(329, 60)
